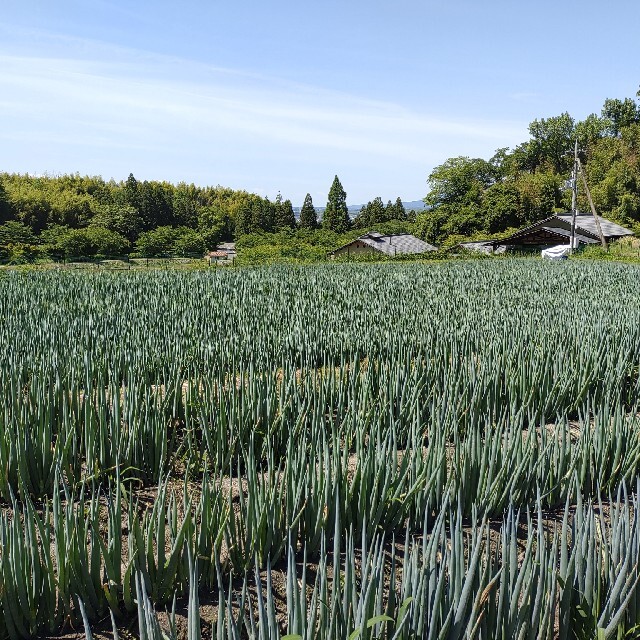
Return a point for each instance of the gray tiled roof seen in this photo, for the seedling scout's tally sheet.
(396, 244)
(585, 222)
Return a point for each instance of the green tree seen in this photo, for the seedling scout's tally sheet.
(104, 242)
(460, 181)
(156, 242)
(212, 224)
(14, 232)
(336, 214)
(620, 114)
(551, 142)
(284, 216)
(308, 215)
(4, 204)
(399, 211)
(123, 219)
(376, 211)
(501, 207)
(188, 242)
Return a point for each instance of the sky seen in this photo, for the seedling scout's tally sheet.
(280, 96)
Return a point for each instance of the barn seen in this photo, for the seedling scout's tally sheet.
(556, 230)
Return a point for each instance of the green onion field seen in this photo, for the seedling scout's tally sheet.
(341, 451)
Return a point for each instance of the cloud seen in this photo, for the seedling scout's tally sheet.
(105, 99)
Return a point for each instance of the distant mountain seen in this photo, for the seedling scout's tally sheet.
(416, 205)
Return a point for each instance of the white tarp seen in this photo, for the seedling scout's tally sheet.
(561, 252)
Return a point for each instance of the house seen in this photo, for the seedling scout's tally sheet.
(390, 245)
(224, 252)
(556, 230)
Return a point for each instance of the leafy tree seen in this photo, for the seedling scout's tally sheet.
(551, 142)
(14, 232)
(336, 214)
(308, 215)
(188, 242)
(122, 219)
(156, 242)
(212, 225)
(590, 130)
(460, 181)
(539, 195)
(620, 114)
(104, 242)
(501, 207)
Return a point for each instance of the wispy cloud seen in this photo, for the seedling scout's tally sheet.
(117, 99)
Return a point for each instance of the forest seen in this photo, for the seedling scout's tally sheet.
(468, 198)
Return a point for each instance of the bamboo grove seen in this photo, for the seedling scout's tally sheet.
(340, 451)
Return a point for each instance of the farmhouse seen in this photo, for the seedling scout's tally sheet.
(391, 245)
(556, 230)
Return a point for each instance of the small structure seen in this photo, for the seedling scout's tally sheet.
(390, 245)
(484, 246)
(556, 230)
(224, 252)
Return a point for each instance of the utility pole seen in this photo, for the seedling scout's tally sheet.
(603, 242)
(574, 196)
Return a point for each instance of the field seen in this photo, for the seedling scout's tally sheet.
(340, 451)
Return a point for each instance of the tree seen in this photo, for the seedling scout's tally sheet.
(284, 216)
(336, 215)
(551, 142)
(156, 242)
(13, 232)
(4, 204)
(460, 181)
(131, 192)
(121, 218)
(212, 224)
(501, 207)
(620, 114)
(188, 242)
(399, 212)
(376, 211)
(104, 242)
(308, 215)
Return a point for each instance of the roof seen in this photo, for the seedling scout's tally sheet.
(585, 222)
(395, 244)
(560, 225)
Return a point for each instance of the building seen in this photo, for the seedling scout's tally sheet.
(556, 230)
(390, 245)
(224, 252)
(484, 246)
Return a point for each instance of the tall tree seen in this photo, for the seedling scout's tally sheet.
(400, 212)
(284, 216)
(308, 215)
(336, 215)
(288, 215)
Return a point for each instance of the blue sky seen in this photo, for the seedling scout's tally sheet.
(281, 96)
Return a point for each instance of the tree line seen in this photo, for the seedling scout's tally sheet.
(73, 215)
(476, 197)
